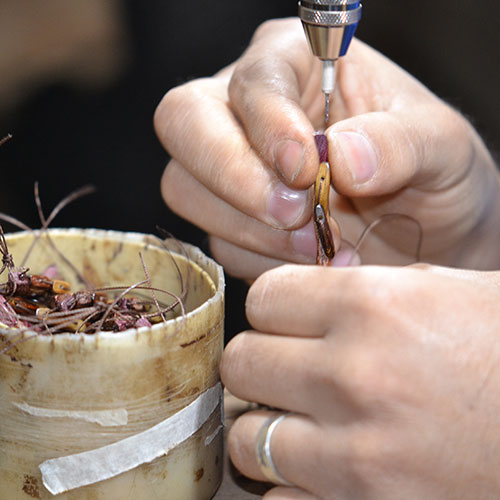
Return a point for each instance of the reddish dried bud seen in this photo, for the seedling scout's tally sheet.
(119, 323)
(40, 284)
(84, 298)
(101, 297)
(23, 306)
(132, 304)
(7, 314)
(143, 322)
(19, 281)
(322, 145)
(64, 302)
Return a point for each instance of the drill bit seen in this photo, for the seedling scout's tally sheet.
(327, 109)
(328, 86)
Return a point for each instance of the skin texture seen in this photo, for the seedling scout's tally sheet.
(391, 372)
(393, 397)
(227, 136)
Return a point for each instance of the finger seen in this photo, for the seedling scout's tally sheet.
(379, 153)
(285, 493)
(198, 129)
(190, 199)
(302, 433)
(262, 368)
(301, 300)
(304, 453)
(266, 93)
(248, 265)
(239, 262)
(391, 131)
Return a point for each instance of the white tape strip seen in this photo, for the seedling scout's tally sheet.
(106, 418)
(209, 439)
(74, 471)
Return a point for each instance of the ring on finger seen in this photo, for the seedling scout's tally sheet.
(263, 449)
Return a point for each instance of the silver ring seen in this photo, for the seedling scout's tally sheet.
(263, 450)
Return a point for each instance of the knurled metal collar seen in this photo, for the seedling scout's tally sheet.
(329, 18)
(329, 4)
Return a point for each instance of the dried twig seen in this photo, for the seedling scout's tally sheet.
(8, 137)
(36, 303)
(368, 229)
(63, 203)
(7, 260)
(148, 279)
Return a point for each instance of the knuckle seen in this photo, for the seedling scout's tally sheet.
(421, 266)
(263, 293)
(457, 125)
(371, 288)
(454, 134)
(237, 446)
(371, 381)
(231, 362)
(372, 454)
(368, 381)
(257, 291)
(385, 288)
(171, 113)
(266, 28)
(237, 83)
(168, 183)
(164, 109)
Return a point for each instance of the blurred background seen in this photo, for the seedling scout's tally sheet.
(80, 80)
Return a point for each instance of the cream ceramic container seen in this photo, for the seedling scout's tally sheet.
(105, 416)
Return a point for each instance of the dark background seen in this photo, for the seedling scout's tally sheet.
(66, 137)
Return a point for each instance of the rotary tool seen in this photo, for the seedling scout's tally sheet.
(329, 27)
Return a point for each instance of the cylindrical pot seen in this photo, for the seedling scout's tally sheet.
(115, 416)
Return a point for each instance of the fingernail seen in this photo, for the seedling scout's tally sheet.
(359, 155)
(289, 158)
(286, 205)
(304, 240)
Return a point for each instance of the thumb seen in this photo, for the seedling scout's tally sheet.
(427, 147)
(268, 92)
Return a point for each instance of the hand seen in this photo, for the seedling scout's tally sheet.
(392, 375)
(244, 158)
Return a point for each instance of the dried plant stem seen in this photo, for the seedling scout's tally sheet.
(368, 229)
(110, 307)
(148, 278)
(45, 306)
(46, 222)
(8, 137)
(7, 260)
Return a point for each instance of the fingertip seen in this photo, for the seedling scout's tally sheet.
(289, 156)
(164, 183)
(307, 174)
(354, 160)
(288, 208)
(296, 159)
(263, 291)
(165, 113)
(346, 256)
(239, 452)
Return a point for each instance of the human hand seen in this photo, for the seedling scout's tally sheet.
(244, 157)
(392, 375)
